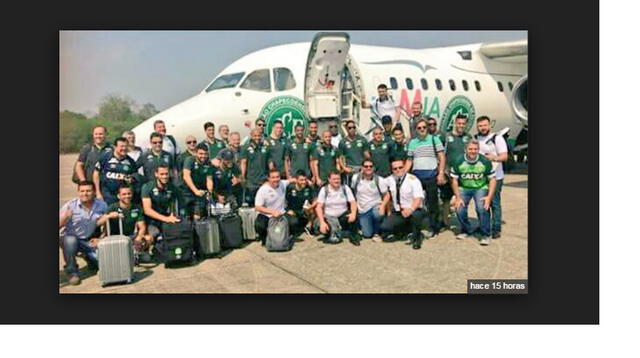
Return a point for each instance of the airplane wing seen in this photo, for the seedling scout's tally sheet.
(506, 50)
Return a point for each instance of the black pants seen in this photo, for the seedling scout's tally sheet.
(396, 223)
(348, 229)
(430, 187)
(297, 224)
(262, 224)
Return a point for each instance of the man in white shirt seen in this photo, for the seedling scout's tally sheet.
(372, 195)
(407, 196)
(494, 147)
(336, 137)
(336, 210)
(270, 202)
(384, 105)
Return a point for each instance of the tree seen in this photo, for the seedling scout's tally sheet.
(147, 111)
(117, 108)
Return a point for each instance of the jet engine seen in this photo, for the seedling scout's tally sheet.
(520, 100)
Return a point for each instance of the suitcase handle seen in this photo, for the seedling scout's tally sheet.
(119, 225)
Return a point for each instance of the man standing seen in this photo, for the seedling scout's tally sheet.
(336, 137)
(384, 105)
(372, 196)
(353, 150)
(387, 125)
(398, 146)
(380, 153)
(426, 161)
(254, 158)
(337, 211)
(132, 149)
(234, 147)
(90, 154)
(213, 144)
(260, 125)
(224, 133)
(133, 224)
(155, 156)
(226, 179)
(191, 143)
(494, 147)
(159, 199)
(454, 147)
(114, 169)
(298, 153)
(313, 138)
(78, 222)
(270, 203)
(168, 141)
(324, 159)
(472, 176)
(298, 194)
(197, 175)
(416, 114)
(277, 148)
(406, 194)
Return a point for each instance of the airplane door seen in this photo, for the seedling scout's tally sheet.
(322, 83)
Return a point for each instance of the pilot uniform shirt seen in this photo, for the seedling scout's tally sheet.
(277, 151)
(149, 161)
(199, 172)
(493, 144)
(326, 157)
(381, 157)
(299, 154)
(130, 218)
(296, 198)
(409, 190)
(114, 172)
(272, 198)
(257, 157)
(334, 202)
(214, 147)
(353, 150)
(472, 175)
(367, 194)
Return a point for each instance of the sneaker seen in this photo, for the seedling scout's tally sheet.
(462, 236)
(74, 280)
(495, 235)
(144, 258)
(485, 241)
(390, 238)
(376, 238)
(428, 234)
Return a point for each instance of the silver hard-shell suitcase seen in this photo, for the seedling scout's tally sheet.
(208, 232)
(248, 216)
(115, 258)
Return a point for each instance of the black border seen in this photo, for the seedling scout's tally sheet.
(563, 199)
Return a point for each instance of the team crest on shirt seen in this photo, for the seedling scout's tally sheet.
(250, 149)
(450, 138)
(305, 146)
(263, 150)
(384, 145)
(359, 144)
(112, 166)
(321, 151)
(166, 160)
(155, 191)
(150, 156)
(134, 214)
(273, 142)
(373, 147)
(465, 139)
(348, 145)
(126, 167)
(294, 193)
(294, 146)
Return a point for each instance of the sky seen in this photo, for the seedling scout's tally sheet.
(166, 67)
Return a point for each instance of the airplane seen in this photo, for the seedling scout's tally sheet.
(328, 77)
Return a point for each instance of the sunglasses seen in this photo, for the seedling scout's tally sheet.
(351, 127)
(156, 142)
(432, 124)
(367, 166)
(191, 142)
(333, 126)
(397, 168)
(421, 128)
(260, 124)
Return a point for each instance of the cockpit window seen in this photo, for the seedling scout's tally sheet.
(283, 79)
(258, 80)
(225, 81)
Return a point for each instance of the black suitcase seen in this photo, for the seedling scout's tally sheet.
(176, 245)
(231, 235)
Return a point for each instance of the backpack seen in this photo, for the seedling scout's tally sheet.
(354, 186)
(344, 191)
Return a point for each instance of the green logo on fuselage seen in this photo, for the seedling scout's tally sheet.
(457, 105)
(288, 109)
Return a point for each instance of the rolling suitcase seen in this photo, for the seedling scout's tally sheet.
(208, 232)
(231, 231)
(115, 258)
(278, 238)
(248, 216)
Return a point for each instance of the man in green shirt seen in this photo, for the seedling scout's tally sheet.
(197, 175)
(226, 179)
(298, 153)
(454, 147)
(191, 143)
(298, 193)
(380, 153)
(353, 151)
(277, 148)
(90, 154)
(133, 224)
(159, 200)
(472, 176)
(324, 159)
(313, 138)
(254, 157)
(398, 146)
(155, 156)
(387, 125)
(214, 145)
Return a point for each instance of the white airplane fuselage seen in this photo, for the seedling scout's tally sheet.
(238, 107)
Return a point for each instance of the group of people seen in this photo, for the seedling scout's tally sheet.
(388, 188)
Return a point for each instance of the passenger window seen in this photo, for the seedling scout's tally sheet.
(452, 85)
(500, 88)
(478, 86)
(258, 80)
(510, 86)
(393, 83)
(438, 85)
(409, 83)
(465, 85)
(283, 79)
(424, 84)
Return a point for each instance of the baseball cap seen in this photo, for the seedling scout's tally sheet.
(225, 154)
(386, 119)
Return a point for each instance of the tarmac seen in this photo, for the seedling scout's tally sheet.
(443, 265)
